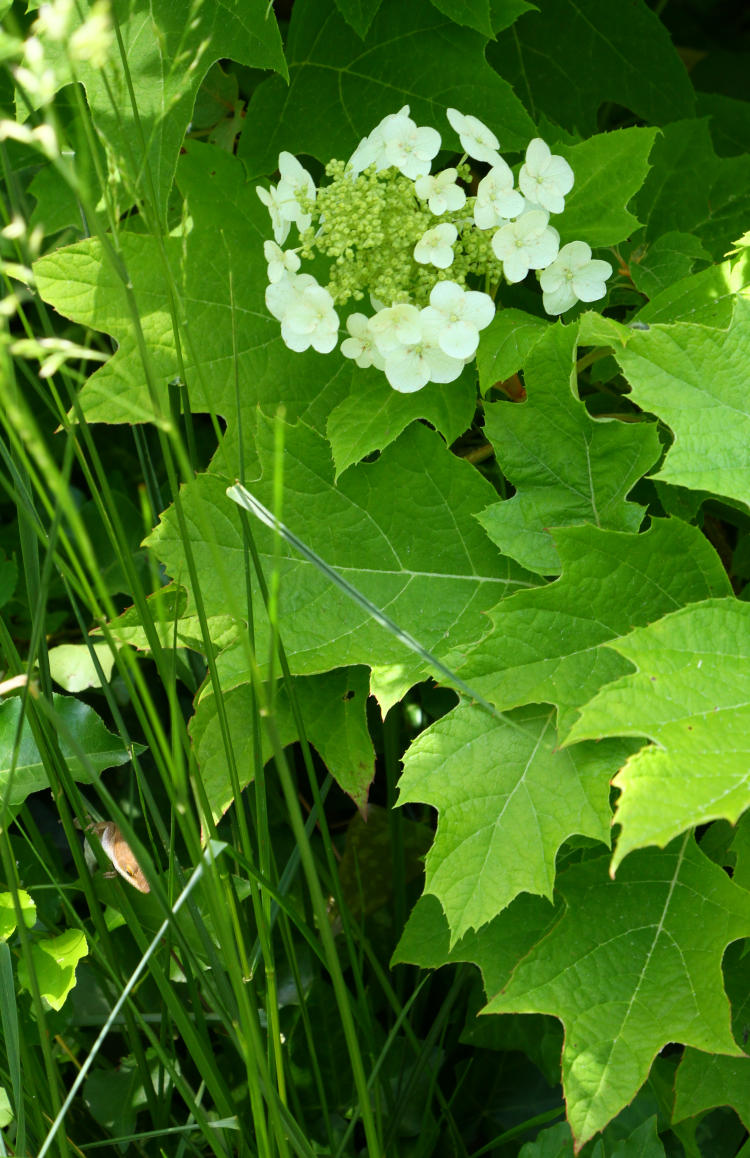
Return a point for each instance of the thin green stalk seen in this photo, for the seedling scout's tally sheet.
(326, 936)
(212, 851)
(395, 824)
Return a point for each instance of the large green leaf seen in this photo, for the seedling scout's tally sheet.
(631, 955)
(507, 798)
(707, 1080)
(545, 643)
(80, 730)
(630, 966)
(693, 190)
(411, 55)
(399, 529)
(691, 696)
(358, 13)
(694, 379)
(372, 414)
(114, 1096)
(54, 961)
(570, 56)
(667, 260)
(609, 170)
(730, 121)
(495, 948)
(483, 15)
(641, 1142)
(707, 298)
(566, 467)
(505, 345)
(8, 912)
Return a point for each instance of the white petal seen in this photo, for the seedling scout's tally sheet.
(459, 340)
(561, 173)
(447, 296)
(537, 155)
(559, 300)
(425, 187)
(325, 338)
(575, 255)
(294, 340)
(428, 142)
(486, 215)
(479, 308)
(589, 284)
(395, 326)
(443, 368)
(407, 372)
(515, 267)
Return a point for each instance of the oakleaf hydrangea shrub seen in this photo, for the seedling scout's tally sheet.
(416, 246)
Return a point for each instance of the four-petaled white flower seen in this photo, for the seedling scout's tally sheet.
(409, 147)
(394, 326)
(272, 201)
(497, 201)
(361, 345)
(286, 201)
(280, 261)
(544, 178)
(435, 247)
(295, 191)
(528, 243)
(371, 149)
(458, 315)
(281, 294)
(305, 310)
(573, 276)
(441, 192)
(476, 139)
(410, 365)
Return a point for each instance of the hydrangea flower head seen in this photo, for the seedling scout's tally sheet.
(374, 224)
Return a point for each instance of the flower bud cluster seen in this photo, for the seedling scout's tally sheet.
(415, 243)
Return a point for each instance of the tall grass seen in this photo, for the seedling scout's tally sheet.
(241, 1003)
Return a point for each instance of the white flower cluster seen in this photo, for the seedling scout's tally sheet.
(416, 346)
(428, 327)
